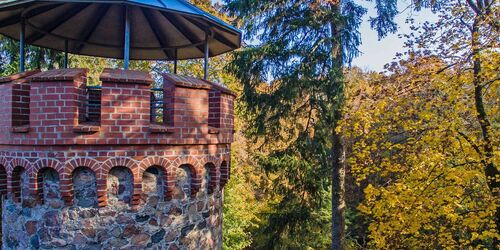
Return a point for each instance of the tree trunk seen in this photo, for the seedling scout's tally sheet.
(338, 192)
(338, 170)
(490, 170)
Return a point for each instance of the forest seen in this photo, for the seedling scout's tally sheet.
(331, 156)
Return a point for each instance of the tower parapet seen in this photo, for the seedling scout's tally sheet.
(113, 166)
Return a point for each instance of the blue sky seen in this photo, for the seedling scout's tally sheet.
(378, 53)
(375, 53)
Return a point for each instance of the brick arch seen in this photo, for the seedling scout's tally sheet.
(120, 162)
(226, 158)
(166, 166)
(153, 161)
(186, 160)
(195, 168)
(102, 182)
(211, 159)
(36, 179)
(47, 163)
(4, 161)
(74, 163)
(66, 182)
(18, 162)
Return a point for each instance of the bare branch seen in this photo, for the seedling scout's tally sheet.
(465, 24)
(476, 147)
(474, 7)
(485, 83)
(445, 68)
(480, 4)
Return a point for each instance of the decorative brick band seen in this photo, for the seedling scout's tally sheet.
(101, 170)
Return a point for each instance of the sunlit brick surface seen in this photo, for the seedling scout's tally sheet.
(105, 176)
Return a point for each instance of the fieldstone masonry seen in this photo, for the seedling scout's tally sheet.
(71, 179)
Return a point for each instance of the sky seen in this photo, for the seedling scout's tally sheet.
(377, 53)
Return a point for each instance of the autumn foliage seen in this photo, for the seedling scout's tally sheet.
(418, 143)
(412, 136)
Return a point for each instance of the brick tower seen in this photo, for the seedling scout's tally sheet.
(119, 166)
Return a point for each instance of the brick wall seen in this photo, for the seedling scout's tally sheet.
(57, 135)
(55, 104)
(58, 101)
(221, 111)
(15, 97)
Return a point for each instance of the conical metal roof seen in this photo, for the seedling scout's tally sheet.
(159, 29)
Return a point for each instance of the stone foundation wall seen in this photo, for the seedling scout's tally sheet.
(185, 222)
(188, 218)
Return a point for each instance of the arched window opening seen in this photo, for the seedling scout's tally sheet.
(182, 188)
(48, 185)
(153, 181)
(20, 184)
(85, 187)
(209, 182)
(120, 185)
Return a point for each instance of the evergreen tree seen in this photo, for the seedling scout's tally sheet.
(36, 58)
(293, 86)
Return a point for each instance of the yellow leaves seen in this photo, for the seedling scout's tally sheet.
(428, 188)
(401, 211)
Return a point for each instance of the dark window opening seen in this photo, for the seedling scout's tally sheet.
(120, 185)
(85, 187)
(48, 185)
(153, 181)
(91, 105)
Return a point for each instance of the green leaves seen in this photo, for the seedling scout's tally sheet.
(292, 86)
(36, 58)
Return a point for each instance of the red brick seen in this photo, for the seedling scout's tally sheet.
(199, 123)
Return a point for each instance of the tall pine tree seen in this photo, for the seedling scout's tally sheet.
(293, 87)
(36, 58)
